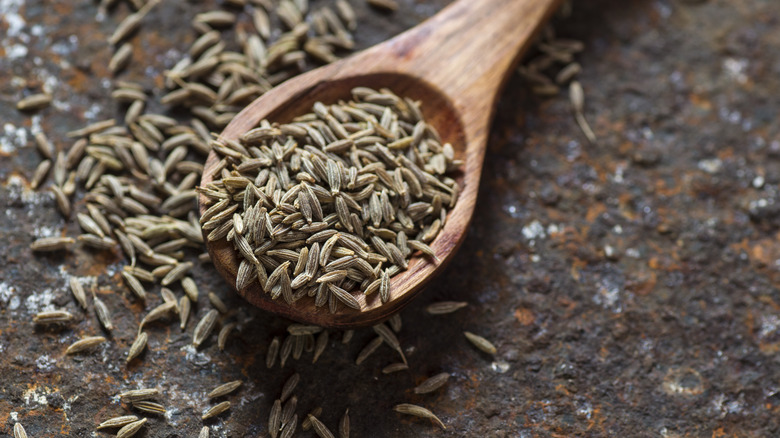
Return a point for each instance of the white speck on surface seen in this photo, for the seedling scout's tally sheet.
(710, 165)
(65, 47)
(758, 181)
(37, 395)
(15, 51)
(758, 203)
(619, 173)
(40, 301)
(92, 112)
(50, 83)
(733, 117)
(195, 356)
(735, 69)
(499, 366)
(45, 363)
(35, 124)
(14, 416)
(534, 230)
(633, 253)
(768, 324)
(9, 12)
(720, 406)
(535, 258)
(585, 410)
(734, 406)
(31, 198)
(46, 231)
(663, 9)
(512, 210)
(608, 296)
(617, 229)
(60, 48)
(7, 294)
(12, 137)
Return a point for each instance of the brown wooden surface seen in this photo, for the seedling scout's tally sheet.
(454, 63)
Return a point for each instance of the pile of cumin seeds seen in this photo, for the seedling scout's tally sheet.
(335, 201)
(270, 42)
(139, 175)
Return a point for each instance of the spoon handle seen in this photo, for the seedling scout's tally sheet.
(467, 50)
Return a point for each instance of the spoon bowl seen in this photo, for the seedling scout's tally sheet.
(453, 64)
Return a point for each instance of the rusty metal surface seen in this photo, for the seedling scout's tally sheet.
(630, 286)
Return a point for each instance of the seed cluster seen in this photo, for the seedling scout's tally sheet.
(335, 201)
(554, 66)
(214, 82)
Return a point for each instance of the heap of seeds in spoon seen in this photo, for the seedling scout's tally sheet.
(334, 202)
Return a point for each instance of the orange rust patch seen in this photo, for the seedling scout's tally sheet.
(642, 282)
(719, 432)
(701, 101)
(524, 316)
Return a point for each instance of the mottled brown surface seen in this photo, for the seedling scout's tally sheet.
(672, 332)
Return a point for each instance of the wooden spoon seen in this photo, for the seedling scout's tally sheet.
(454, 64)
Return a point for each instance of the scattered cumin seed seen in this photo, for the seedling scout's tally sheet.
(117, 422)
(84, 344)
(384, 5)
(306, 423)
(136, 395)
(368, 350)
(34, 102)
(444, 307)
(394, 367)
(205, 327)
(288, 410)
(131, 429)
(224, 334)
(289, 386)
(275, 418)
(46, 244)
(432, 383)
(184, 311)
(390, 339)
(288, 430)
(301, 330)
(224, 389)
(52, 317)
(216, 410)
(273, 352)
(217, 302)
(344, 425)
(149, 407)
(102, 312)
(320, 428)
(320, 345)
(19, 431)
(481, 343)
(418, 411)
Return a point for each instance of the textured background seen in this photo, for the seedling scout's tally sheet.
(630, 286)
